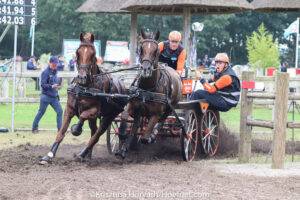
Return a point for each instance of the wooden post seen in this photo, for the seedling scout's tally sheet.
(21, 82)
(187, 31)
(133, 38)
(5, 88)
(246, 112)
(21, 87)
(280, 119)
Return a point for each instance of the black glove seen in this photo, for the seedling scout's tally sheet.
(202, 80)
(217, 75)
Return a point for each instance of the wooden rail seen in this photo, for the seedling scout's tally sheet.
(36, 74)
(262, 95)
(26, 100)
(260, 123)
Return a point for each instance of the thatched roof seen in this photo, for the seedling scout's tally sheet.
(102, 6)
(276, 5)
(177, 6)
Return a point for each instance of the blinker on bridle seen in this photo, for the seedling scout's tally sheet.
(154, 61)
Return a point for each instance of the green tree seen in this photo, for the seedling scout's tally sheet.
(262, 50)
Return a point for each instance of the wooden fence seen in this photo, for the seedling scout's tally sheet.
(126, 77)
(279, 123)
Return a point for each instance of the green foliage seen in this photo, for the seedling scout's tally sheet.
(44, 58)
(58, 20)
(262, 50)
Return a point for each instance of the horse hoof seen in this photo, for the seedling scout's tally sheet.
(121, 154)
(45, 160)
(79, 158)
(76, 130)
(148, 140)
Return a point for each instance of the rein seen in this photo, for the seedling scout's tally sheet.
(120, 70)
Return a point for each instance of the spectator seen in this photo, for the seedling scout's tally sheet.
(50, 85)
(212, 67)
(283, 67)
(61, 63)
(206, 61)
(200, 64)
(31, 63)
(72, 63)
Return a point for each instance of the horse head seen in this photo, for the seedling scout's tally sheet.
(149, 53)
(86, 60)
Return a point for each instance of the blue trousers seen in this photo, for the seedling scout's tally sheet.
(215, 100)
(45, 100)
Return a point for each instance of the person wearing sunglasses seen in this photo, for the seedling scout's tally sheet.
(222, 91)
(172, 52)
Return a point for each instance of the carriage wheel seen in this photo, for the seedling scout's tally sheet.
(190, 140)
(112, 137)
(209, 133)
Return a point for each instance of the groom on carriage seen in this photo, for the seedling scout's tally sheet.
(222, 91)
(172, 52)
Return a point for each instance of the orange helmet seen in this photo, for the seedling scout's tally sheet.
(223, 57)
(175, 36)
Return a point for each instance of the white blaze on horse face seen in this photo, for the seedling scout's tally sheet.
(149, 46)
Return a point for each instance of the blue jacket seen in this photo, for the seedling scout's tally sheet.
(60, 66)
(30, 65)
(49, 78)
(72, 63)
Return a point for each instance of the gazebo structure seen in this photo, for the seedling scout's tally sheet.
(276, 5)
(162, 7)
(113, 7)
(185, 8)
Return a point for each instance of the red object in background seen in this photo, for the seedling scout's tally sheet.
(125, 62)
(270, 71)
(297, 71)
(187, 86)
(248, 84)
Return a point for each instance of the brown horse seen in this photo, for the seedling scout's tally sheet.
(158, 79)
(83, 105)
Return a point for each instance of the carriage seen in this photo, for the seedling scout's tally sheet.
(96, 94)
(193, 121)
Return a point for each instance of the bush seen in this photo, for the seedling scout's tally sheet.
(44, 59)
(263, 52)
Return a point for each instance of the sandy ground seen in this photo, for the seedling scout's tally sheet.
(154, 172)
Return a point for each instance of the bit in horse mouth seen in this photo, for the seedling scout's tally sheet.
(81, 81)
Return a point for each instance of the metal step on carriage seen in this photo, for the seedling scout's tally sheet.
(194, 122)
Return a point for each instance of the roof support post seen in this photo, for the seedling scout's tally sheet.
(187, 31)
(133, 38)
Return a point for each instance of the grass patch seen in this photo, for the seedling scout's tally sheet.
(232, 121)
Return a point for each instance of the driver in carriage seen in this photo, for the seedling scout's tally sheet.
(222, 91)
(172, 52)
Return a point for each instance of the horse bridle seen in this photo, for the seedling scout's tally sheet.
(87, 66)
(155, 60)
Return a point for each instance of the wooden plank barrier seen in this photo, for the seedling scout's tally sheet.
(279, 125)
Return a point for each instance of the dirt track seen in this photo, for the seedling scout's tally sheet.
(153, 172)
